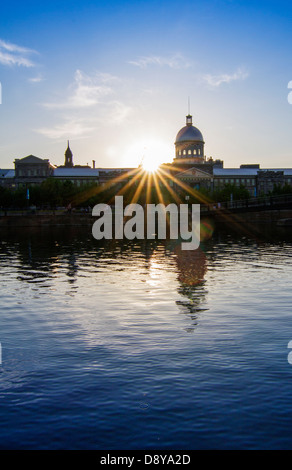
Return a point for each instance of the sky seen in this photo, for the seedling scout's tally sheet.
(115, 79)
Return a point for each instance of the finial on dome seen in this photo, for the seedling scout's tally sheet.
(189, 120)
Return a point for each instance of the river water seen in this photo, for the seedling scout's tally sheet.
(140, 345)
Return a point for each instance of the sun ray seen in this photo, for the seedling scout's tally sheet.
(193, 192)
(128, 185)
(148, 188)
(94, 191)
(169, 188)
(158, 190)
(139, 189)
(153, 179)
(229, 218)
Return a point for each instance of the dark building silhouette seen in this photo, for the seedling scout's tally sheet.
(32, 170)
(68, 157)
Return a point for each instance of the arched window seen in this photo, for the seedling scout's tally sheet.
(195, 152)
(184, 152)
(189, 152)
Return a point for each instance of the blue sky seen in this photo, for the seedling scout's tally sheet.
(114, 78)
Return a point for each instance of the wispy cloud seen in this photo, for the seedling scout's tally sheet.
(87, 98)
(36, 79)
(217, 80)
(84, 92)
(176, 61)
(73, 128)
(12, 54)
(79, 126)
(118, 112)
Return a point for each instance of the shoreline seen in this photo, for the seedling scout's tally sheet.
(21, 219)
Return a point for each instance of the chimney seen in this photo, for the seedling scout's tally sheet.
(93, 163)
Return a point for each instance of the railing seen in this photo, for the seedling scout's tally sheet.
(259, 203)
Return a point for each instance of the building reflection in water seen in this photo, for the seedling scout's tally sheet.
(191, 269)
(47, 259)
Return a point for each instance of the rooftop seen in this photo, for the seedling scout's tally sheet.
(76, 172)
(248, 171)
(7, 173)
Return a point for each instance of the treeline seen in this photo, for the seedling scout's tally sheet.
(52, 194)
(279, 189)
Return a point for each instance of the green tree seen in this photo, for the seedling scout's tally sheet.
(224, 194)
(5, 197)
(281, 189)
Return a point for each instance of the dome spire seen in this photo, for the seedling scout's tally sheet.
(189, 119)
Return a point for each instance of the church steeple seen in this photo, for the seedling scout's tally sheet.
(68, 157)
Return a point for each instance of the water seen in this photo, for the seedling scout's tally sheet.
(143, 346)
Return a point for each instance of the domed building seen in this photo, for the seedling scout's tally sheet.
(190, 164)
(189, 144)
(192, 168)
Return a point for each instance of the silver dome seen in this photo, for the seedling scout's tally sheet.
(189, 133)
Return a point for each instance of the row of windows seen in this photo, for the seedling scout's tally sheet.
(74, 181)
(84, 181)
(281, 181)
(248, 182)
(80, 182)
(237, 181)
(190, 152)
(32, 173)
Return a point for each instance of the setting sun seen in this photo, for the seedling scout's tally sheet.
(150, 164)
(150, 153)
